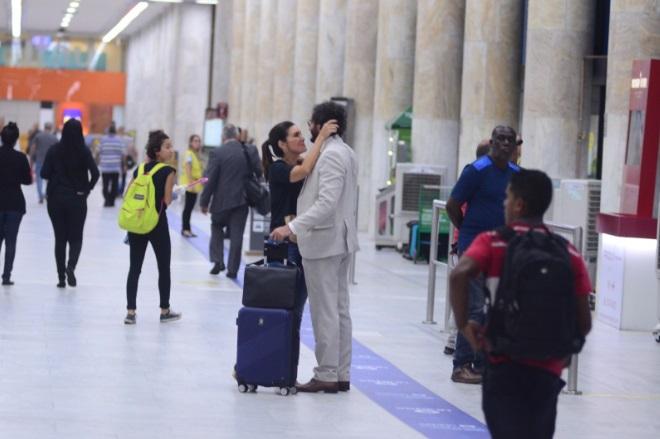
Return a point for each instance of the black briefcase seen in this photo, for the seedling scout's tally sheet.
(273, 281)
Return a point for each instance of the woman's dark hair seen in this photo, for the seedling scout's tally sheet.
(10, 134)
(73, 146)
(155, 142)
(328, 111)
(278, 133)
(192, 137)
(535, 189)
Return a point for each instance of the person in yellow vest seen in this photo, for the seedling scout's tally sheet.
(192, 170)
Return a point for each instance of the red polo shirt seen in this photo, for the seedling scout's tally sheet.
(488, 250)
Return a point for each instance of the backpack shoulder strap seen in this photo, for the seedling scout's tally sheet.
(141, 169)
(157, 167)
(506, 233)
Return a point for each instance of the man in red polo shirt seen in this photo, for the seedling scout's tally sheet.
(519, 397)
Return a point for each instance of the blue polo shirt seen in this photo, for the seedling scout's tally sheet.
(482, 185)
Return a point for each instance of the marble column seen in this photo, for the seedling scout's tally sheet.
(634, 34)
(236, 61)
(249, 75)
(331, 46)
(304, 75)
(284, 55)
(359, 74)
(395, 69)
(559, 36)
(437, 95)
(222, 51)
(490, 88)
(265, 66)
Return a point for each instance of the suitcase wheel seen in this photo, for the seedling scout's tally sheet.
(242, 388)
(245, 388)
(284, 391)
(252, 388)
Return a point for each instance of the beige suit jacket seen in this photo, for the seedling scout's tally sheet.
(326, 221)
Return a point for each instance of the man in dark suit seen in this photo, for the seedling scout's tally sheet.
(227, 171)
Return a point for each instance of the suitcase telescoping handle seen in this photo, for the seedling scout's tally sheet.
(276, 250)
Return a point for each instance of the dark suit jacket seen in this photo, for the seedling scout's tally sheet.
(227, 172)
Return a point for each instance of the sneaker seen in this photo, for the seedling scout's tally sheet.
(466, 375)
(170, 316)
(129, 319)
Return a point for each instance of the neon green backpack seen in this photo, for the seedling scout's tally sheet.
(139, 213)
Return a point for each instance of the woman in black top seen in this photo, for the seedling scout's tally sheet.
(159, 150)
(14, 171)
(285, 172)
(67, 167)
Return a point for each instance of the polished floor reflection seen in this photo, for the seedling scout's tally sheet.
(69, 367)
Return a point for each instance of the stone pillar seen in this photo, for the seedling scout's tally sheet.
(265, 65)
(284, 67)
(634, 34)
(331, 44)
(304, 75)
(236, 61)
(222, 51)
(359, 74)
(437, 96)
(395, 69)
(559, 36)
(490, 88)
(249, 74)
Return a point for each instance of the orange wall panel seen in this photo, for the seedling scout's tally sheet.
(62, 85)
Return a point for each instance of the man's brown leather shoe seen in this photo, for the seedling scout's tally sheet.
(344, 386)
(314, 386)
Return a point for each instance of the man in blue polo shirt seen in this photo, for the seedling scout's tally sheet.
(482, 185)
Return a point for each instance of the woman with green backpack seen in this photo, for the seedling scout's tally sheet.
(143, 216)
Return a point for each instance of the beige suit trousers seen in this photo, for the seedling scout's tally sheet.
(327, 289)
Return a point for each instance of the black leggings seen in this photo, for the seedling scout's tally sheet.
(67, 212)
(160, 241)
(191, 199)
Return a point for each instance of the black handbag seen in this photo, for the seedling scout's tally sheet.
(271, 285)
(256, 192)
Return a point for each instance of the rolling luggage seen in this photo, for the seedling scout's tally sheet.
(265, 353)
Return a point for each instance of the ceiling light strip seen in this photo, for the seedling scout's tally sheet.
(125, 21)
(16, 18)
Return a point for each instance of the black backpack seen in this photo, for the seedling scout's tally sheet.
(533, 315)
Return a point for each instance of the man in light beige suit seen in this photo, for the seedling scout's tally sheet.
(327, 238)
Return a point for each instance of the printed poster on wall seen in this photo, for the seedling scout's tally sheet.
(610, 281)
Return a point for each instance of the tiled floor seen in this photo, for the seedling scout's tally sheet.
(69, 368)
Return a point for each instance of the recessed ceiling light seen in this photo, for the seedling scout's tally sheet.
(74, 4)
(71, 10)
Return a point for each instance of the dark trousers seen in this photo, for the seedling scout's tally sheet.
(464, 354)
(110, 187)
(122, 184)
(159, 238)
(301, 298)
(235, 220)
(10, 221)
(67, 211)
(520, 402)
(191, 199)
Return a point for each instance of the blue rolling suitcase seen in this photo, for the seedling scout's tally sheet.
(265, 350)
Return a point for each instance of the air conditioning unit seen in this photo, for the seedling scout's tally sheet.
(398, 204)
(550, 213)
(578, 204)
